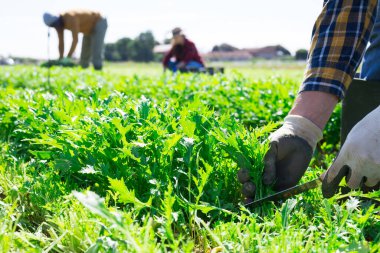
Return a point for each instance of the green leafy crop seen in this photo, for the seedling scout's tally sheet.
(96, 162)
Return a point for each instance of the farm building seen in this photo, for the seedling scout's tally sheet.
(238, 55)
(269, 52)
(247, 54)
(226, 52)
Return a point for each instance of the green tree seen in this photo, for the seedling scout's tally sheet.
(122, 46)
(111, 53)
(301, 54)
(139, 49)
(142, 47)
(224, 47)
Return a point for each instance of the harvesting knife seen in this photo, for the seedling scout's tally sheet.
(287, 193)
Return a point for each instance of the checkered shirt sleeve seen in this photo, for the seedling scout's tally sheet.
(340, 36)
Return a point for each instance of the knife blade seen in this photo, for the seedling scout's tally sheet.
(287, 193)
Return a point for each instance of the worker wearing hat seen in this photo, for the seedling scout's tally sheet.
(183, 55)
(340, 36)
(93, 27)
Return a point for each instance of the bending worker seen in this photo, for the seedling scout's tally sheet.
(93, 27)
(183, 55)
(340, 36)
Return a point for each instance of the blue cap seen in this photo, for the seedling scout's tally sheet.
(50, 19)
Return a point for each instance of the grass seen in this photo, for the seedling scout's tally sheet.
(133, 160)
(261, 69)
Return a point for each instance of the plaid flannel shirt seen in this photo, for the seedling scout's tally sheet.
(340, 36)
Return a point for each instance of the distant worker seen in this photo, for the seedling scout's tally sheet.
(93, 27)
(183, 55)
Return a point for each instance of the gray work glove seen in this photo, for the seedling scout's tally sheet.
(291, 149)
(359, 157)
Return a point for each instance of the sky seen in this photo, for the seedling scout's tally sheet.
(241, 23)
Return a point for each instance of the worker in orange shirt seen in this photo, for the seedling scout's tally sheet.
(93, 27)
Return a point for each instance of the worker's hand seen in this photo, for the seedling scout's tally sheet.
(359, 157)
(290, 152)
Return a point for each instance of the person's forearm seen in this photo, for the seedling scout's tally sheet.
(315, 105)
(167, 57)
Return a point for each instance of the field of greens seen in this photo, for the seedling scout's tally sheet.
(106, 162)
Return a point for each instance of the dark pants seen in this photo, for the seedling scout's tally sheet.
(190, 65)
(92, 46)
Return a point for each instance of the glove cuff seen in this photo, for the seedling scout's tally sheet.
(304, 128)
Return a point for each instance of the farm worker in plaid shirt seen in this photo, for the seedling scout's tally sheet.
(93, 27)
(339, 40)
(184, 52)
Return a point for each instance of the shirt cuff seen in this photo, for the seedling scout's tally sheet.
(329, 80)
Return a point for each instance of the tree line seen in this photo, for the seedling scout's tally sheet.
(139, 49)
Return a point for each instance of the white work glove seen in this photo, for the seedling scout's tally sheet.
(359, 157)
